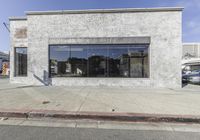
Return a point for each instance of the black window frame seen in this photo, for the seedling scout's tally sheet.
(15, 53)
(148, 52)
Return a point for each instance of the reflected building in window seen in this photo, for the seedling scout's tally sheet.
(99, 61)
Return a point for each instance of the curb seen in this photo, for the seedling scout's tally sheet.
(126, 117)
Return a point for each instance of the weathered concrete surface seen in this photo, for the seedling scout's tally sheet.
(101, 99)
(18, 38)
(163, 27)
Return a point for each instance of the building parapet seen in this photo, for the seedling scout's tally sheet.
(122, 10)
(17, 18)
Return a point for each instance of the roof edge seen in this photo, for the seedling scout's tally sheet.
(120, 10)
(17, 18)
(191, 43)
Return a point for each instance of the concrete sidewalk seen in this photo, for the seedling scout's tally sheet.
(184, 102)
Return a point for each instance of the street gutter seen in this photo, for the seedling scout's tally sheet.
(103, 116)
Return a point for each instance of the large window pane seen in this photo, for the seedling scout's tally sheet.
(68, 61)
(99, 61)
(59, 60)
(118, 61)
(20, 61)
(78, 61)
(139, 61)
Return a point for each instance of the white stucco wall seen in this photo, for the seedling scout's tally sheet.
(163, 27)
(17, 41)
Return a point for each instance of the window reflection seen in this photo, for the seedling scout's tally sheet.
(118, 61)
(138, 61)
(99, 61)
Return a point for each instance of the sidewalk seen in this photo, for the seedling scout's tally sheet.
(182, 102)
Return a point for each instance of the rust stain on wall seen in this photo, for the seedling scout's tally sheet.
(21, 33)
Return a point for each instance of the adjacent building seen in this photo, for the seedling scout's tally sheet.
(138, 47)
(191, 50)
(4, 58)
(191, 56)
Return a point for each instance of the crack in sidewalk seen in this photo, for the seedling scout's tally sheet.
(84, 100)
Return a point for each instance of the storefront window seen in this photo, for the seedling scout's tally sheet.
(99, 61)
(21, 61)
(118, 61)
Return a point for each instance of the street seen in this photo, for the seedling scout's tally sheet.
(49, 133)
(61, 130)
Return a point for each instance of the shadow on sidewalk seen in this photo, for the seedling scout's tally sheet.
(46, 80)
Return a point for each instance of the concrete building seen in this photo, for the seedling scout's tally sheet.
(138, 47)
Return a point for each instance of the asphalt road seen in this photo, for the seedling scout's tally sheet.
(56, 133)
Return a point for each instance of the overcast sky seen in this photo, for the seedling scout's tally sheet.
(191, 14)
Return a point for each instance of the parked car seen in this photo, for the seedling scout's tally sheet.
(191, 77)
(185, 78)
(194, 78)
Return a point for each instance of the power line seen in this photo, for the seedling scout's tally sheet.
(6, 25)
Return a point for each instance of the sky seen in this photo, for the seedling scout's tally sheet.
(10, 8)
